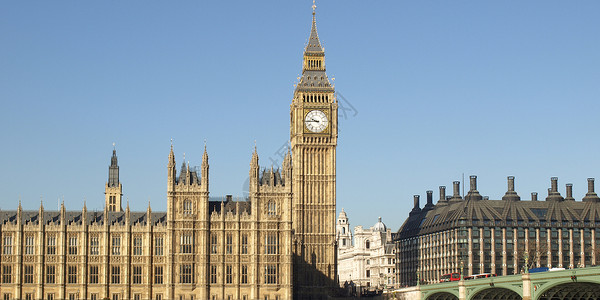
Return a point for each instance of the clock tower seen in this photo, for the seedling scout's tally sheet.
(313, 140)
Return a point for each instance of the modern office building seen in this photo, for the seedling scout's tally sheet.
(476, 235)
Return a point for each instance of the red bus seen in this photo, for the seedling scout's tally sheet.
(450, 277)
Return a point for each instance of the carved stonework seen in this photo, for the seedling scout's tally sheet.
(115, 259)
(29, 259)
(94, 259)
(51, 258)
(72, 259)
(158, 259)
(137, 259)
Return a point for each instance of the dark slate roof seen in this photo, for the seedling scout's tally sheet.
(230, 206)
(314, 44)
(500, 213)
(75, 217)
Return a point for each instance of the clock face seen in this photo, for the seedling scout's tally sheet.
(316, 121)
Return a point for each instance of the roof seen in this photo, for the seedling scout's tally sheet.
(500, 213)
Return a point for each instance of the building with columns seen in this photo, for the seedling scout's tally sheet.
(473, 234)
(277, 244)
(366, 258)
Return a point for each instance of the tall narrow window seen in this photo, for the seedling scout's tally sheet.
(158, 275)
(72, 274)
(93, 274)
(186, 243)
(187, 207)
(7, 245)
(213, 244)
(29, 241)
(94, 245)
(228, 274)
(185, 274)
(6, 274)
(367, 244)
(72, 245)
(229, 243)
(271, 274)
(50, 296)
(115, 275)
(244, 274)
(51, 245)
(244, 247)
(116, 245)
(28, 274)
(137, 275)
(137, 246)
(271, 208)
(50, 274)
(158, 246)
(271, 243)
(213, 274)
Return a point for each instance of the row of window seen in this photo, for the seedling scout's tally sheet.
(115, 274)
(75, 296)
(72, 248)
(186, 274)
(187, 245)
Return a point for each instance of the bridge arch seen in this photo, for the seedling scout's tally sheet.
(442, 296)
(496, 293)
(571, 291)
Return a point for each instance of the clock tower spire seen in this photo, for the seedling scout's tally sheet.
(313, 140)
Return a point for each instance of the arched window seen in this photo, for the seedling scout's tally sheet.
(343, 230)
(367, 244)
(187, 207)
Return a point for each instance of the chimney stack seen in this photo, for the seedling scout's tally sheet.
(473, 194)
(416, 209)
(534, 196)
(443, 193)
(570, 192)
(553, 193)
(591, 195)
(510, 194)
(456, 195)
(429, 205)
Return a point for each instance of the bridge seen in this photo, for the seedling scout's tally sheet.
(571, 284)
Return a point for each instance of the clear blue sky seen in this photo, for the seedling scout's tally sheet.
(440, 88)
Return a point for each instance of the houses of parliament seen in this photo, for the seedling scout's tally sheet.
(277, 244)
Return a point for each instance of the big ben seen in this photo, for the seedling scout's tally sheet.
(313, 139)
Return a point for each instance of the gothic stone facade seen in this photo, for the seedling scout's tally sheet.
(277, 244)
(476, 235)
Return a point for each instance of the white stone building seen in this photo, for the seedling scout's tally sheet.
(367, 257)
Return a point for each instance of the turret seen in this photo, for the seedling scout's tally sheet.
(19, 213)
(113, 189)
(473, 194)
(254, 172)
(63, 213)
(204, 175)
(84, 214)
(41, 214)
(171, 170)
(510, 194)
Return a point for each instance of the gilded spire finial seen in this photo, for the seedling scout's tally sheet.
(114, 144)
(314, 6)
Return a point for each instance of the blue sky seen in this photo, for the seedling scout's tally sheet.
(439, 89)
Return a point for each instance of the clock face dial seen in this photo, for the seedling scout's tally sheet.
(316, 121)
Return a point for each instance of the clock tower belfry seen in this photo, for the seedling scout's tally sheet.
(313, 140)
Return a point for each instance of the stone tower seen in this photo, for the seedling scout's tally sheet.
(343, 233)
(187, 228)
(113, 190)
(313, 140)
